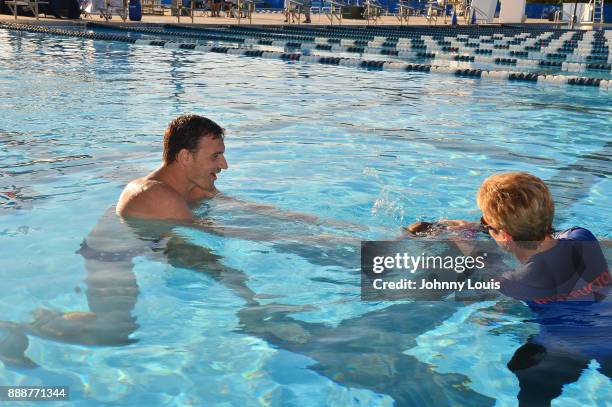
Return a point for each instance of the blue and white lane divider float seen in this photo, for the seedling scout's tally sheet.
(547, 42)
(446, 48)
(506, 47)
(391, 65)
(350, 62)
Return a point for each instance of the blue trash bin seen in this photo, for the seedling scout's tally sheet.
(135, 10)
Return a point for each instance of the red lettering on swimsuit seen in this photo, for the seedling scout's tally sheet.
(600, 281)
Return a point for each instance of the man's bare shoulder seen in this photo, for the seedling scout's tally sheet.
(152, 199)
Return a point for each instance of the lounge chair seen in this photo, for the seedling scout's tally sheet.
(31, 5)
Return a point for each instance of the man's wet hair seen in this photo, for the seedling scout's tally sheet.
(185, 132)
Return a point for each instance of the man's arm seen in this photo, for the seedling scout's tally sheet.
(257, 235)
(198, 194)
(273, 211)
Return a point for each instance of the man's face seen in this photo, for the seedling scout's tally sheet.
(206, 162)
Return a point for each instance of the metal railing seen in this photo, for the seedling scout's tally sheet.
(475, 12)
(107, 11)
(558, 17)
(152, 7)
(240, 10)
(597, 11)
(246, 8)
(468, 12)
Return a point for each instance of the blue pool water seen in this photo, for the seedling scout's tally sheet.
(80, 118)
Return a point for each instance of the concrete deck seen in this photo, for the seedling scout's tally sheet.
(258, 19)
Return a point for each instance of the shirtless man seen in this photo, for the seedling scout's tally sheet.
(193, 156)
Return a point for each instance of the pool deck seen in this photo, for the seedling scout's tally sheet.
(260, 19)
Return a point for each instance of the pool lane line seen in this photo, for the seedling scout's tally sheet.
(467, 31)
(516, 58)
(337, 61)
(386, 42)
(267, 34)
(390, 42)
(66, 33)
(387, 65)
(372, 64)
(161, 32)
(394, 36)
(520, 35)
(565, 48)
(590, 50)
(322, 44)
(238, 30)
(359, 35)
(203, 33)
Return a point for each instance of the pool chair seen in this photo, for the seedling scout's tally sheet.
(240, 9)
(315, 7)
(262, 6)
(372, 11)
(183, 8)
(333, 10)
(403, 10)
(31, 5)
(191, 8)
(318, 7)
(106, 8)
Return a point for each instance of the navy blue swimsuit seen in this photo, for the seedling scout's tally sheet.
(566, 287)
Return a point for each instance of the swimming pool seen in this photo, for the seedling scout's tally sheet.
(379, 149)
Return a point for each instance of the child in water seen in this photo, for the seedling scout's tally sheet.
(564, 278)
